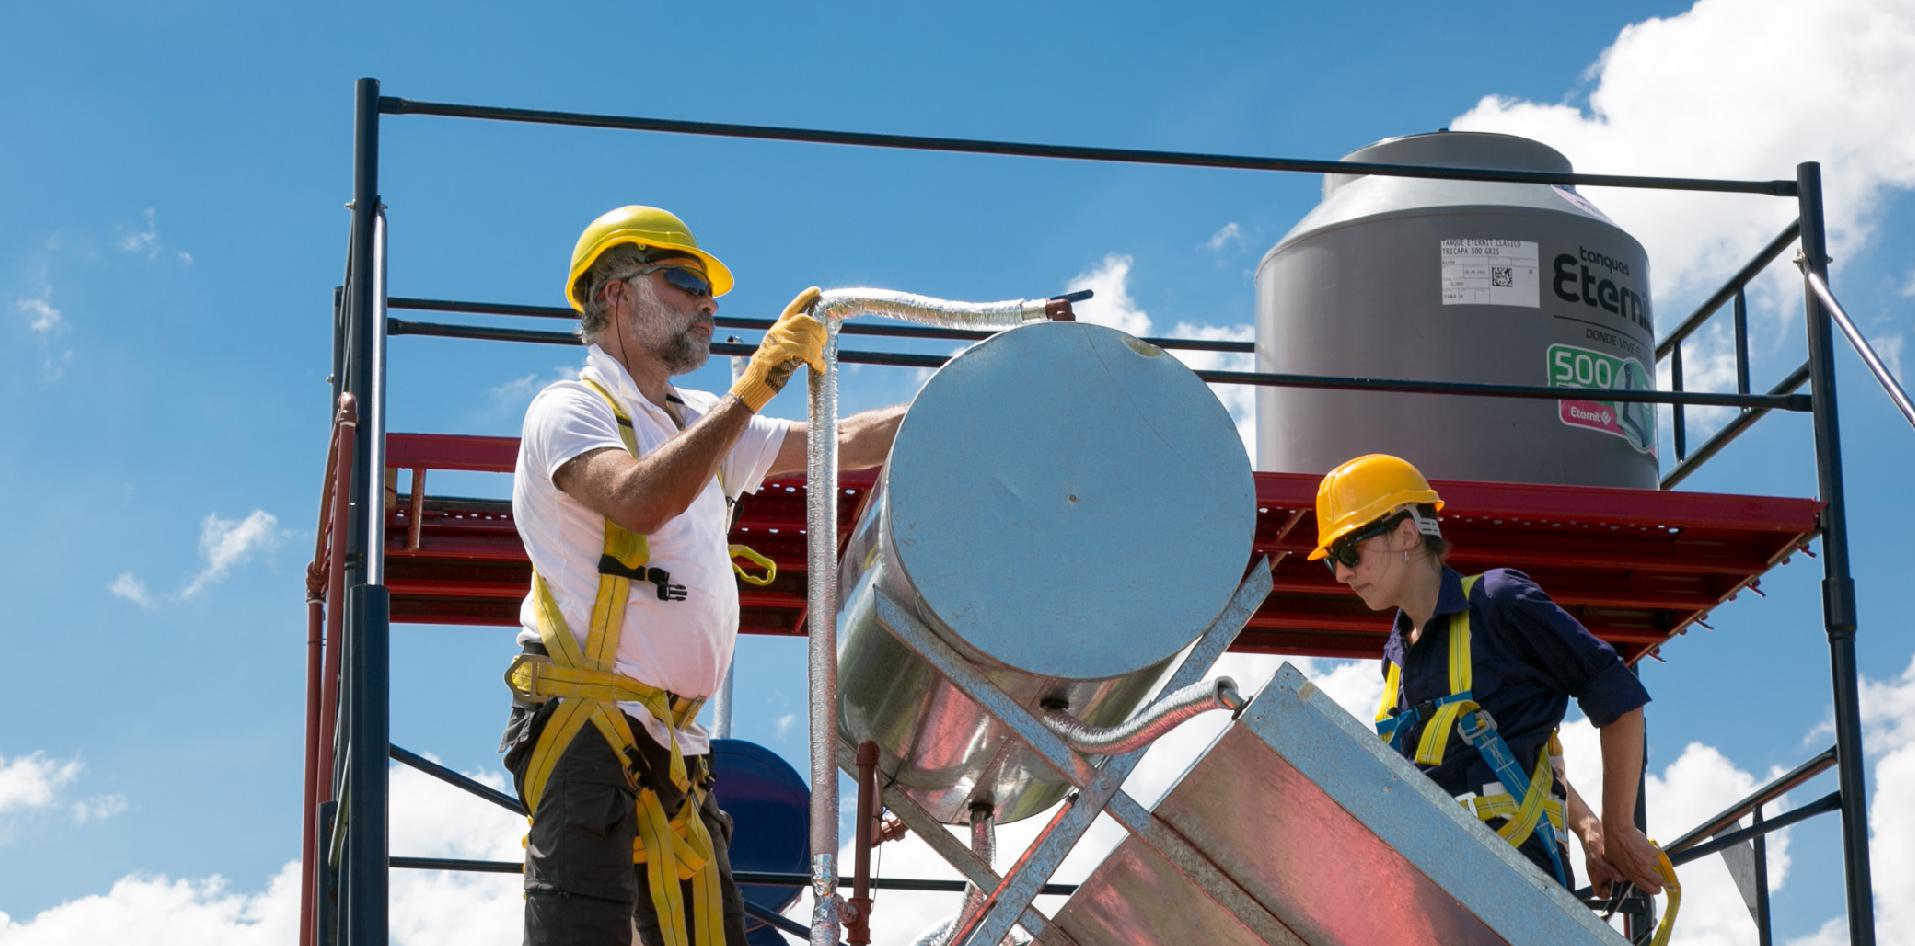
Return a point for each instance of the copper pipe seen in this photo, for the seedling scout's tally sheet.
(336, 595)
(311, 788)
(857, 924)
(416, 510)
(318, 707)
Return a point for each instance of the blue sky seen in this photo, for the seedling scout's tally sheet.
(171, 228)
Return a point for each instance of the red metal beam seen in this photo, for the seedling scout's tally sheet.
(1635, 566)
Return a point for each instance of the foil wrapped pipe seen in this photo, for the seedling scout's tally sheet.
(836, 305)
(1155, 720)
(984, 845)
(821, 520)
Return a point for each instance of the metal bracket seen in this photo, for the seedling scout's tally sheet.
(1099, 786)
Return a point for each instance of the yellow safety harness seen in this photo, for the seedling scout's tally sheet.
(1393, 724)
(673, 848)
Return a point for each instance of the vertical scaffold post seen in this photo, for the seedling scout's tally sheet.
(1838, 587)
(367, 606)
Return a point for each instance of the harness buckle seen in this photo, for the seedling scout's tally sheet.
(522, 677)
(1475, 726)
(667, 591)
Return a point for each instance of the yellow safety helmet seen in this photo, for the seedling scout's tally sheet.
(1363, 490)
(651, 227)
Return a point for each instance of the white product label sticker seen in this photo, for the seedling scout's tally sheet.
(1490, 272)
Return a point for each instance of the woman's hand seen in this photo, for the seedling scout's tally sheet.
(1596, 866)
(1632, 855)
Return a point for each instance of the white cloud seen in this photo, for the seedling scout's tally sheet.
(1239, 399)
(1908, 288)
(145, 239)
(782, 727)
(154, 911)
(1833, 933)
(1708, 364)
(512, 397)
(516, 390)
(34, 781)
(98, 808)
(1227, 235)
(429, 818)
(130, 587)
(43, 317)
(1113, 306)
(224, 543)
(1784, 88)
(1888, 717)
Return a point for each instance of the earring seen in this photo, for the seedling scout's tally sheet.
(1406, 555)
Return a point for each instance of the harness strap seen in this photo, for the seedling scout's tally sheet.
(1673, 889)
(1459, 711)
(673, 848)
(1503, 805)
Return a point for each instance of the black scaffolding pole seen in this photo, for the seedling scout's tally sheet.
(367, 615)
(1838, 587)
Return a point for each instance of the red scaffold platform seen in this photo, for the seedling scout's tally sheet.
(1637, 567)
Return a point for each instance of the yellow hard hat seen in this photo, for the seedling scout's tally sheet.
(651, 227)
(1363, 490)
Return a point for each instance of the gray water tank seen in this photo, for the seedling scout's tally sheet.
(1066, 506)
(1493, 283)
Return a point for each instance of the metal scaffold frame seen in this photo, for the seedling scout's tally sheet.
(348, 740)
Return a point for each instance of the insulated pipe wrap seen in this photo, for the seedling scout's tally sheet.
(1143, 729)
(836, 305)
(821, 562)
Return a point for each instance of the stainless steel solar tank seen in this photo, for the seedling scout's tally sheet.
(1459, 281)
(1068, 507)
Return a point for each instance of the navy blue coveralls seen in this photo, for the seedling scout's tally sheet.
(1528, 657)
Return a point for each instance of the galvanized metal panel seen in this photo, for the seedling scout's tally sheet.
(1340, 839)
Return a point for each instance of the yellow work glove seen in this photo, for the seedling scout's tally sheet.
(795, 339)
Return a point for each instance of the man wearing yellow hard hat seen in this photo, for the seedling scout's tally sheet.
(622, 495)
(1478, 671)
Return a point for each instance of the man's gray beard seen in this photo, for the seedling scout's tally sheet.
(684, 354)
(681, 353)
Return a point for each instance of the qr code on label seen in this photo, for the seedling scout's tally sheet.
(1501, 276)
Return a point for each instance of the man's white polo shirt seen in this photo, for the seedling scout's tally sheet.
(683, 646)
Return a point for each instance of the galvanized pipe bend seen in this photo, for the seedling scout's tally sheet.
(1141, 730)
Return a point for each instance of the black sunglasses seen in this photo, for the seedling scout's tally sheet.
(680, 276)
(1345, 549)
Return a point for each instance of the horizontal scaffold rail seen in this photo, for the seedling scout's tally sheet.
(1798, 403)
(398, 106)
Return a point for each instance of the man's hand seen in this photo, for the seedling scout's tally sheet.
(1632, 855)
(795, 339)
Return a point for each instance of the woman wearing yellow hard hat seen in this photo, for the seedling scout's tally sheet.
(1478, 671)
